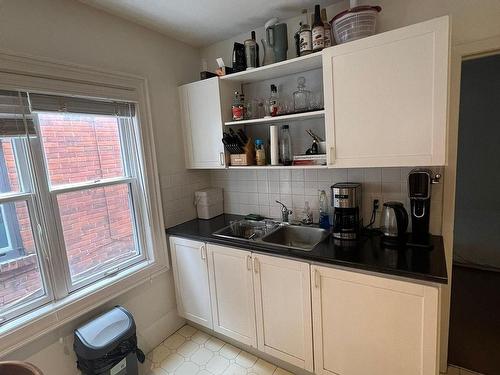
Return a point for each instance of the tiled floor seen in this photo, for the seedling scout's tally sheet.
(190, 351)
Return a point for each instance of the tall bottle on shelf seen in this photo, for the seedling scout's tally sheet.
(318, 31)
(286, 156)
(273, 102)
(251, 55)
(328, 37)
(305, 35)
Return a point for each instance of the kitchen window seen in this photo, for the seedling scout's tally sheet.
(73, 203)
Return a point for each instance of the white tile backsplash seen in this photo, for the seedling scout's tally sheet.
(256, 191)
(177, 191)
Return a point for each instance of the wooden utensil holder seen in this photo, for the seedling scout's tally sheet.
(248, 158)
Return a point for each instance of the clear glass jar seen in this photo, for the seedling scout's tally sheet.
(301, 97)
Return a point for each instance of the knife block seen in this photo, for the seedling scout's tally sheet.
(245, 159)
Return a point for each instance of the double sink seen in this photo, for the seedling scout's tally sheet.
(274, 233)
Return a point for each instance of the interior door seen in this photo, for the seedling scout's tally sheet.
(283, 305)
(189, 263)
(231, 284)
(366, 324)
(386, 97)
(202, 124)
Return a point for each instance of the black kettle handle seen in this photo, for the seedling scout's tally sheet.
(401, 218)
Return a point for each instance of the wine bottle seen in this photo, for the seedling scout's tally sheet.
(305, 36)
(318, 31)
(328, 29)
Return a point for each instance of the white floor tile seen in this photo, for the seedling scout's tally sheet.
(172, 362)
(191, 352)
(188, 348)
(229, 351)
(217, 365)
(187, 331)
(245, 359)
(174, 342)
(202, 356)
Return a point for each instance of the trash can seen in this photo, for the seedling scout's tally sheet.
(108, 345)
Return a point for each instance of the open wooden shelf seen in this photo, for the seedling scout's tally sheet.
(291, 117)
(278, 167)
(280, 69)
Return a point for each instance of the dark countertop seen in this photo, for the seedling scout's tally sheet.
(366, 254)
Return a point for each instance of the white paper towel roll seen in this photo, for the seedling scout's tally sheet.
(273, 129)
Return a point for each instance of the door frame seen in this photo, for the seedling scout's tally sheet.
(459, 53)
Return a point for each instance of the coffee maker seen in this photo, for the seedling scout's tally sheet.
(346, 202)
(419, 192)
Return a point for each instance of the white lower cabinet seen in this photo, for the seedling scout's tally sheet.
(359, 324)
(365, 324)
(231, 285)
(189, 263)
(283, 305)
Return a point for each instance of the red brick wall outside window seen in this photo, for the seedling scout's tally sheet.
(97, 223)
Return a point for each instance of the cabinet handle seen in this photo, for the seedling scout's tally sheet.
(203, 254)
(317, 279)
(249, 262)
(332, 155)
(255, 265)
(221, 158)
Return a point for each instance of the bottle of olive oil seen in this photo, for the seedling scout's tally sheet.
(318, 31)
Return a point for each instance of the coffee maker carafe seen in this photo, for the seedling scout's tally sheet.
(346, 201)
(419, 192)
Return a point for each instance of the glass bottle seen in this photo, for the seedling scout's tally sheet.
(305, 36)
(260, 152)
(273, 102)
(285, 146)
(301, 97)
(328, 29)
(324, 219)
(251, 52)
(237, 108)
(318, 31)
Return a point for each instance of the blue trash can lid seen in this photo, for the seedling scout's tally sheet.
(104, 332)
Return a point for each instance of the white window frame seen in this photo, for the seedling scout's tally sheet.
(50, 77)
(131, 165)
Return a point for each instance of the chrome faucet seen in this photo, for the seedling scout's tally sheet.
(285, 212)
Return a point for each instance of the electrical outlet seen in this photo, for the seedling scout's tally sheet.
(376, 199)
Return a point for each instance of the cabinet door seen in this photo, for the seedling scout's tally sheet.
(283, 305)
(231, 285)
(366, 324)
(202, 124)
(386, 97)
(189, 263)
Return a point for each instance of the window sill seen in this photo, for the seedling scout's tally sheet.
(31, 326)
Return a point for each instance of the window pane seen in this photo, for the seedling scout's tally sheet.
(20, 275)
(81, 148)
(98, 228)
(9, 180)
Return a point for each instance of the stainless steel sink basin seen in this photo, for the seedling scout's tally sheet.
(247, 229)
(296, 237)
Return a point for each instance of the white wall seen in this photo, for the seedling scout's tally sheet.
(471, 20)
(68, 31)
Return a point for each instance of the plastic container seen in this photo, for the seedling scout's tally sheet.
(108, 345)
(209, 203)
(355, 23)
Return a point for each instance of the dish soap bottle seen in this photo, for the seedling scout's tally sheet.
(324, 220)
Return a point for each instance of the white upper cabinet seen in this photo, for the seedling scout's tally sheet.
(202, 123)
(386, 98)
(283, 305)
(192, 288)
(365, 324)
(231, 283)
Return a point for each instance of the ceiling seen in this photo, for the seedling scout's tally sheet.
(203, 22)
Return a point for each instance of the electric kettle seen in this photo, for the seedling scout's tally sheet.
(394, 223)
